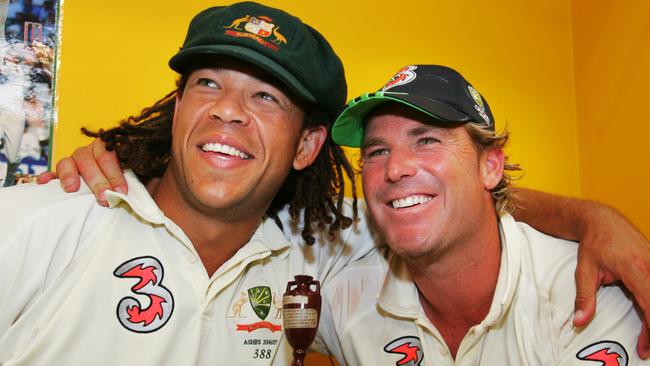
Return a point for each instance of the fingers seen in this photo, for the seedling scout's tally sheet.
(88, 168)
(643, 346)
(637, 281)
(587, 283)
(67, 171)
(99, 168)
(110, 167)
(45, 177)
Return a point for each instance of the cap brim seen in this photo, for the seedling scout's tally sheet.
(348, 127)
(185, 58)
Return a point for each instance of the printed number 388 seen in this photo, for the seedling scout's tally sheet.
(262, 353)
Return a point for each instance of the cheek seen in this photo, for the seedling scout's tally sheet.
(280, 137)
(371, 176)
(186, 120)
(178, 136)
(280, 145)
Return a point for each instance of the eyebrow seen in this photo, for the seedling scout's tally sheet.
(371, 142)
(418, 131)
(413, 132)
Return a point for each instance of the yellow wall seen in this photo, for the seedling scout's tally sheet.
(612, 73)
(114, 62)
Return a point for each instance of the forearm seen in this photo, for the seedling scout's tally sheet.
(563, 217)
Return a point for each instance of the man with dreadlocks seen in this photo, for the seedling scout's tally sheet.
(185, 270)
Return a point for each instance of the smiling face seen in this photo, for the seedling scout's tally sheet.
(235, 137)
(427, 187)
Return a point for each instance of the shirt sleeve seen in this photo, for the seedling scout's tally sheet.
(610, 338)
(17, 284)
(31, 250)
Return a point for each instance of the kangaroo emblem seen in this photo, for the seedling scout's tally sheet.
(279, 38)
(237, 22)
(237, 306)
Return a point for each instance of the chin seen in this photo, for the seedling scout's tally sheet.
(406, 246)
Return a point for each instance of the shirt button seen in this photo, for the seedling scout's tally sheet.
(443, 351)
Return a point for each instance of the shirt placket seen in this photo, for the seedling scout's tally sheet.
(434, 347)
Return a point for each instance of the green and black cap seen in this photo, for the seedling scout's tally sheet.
(437, 91)
(277, 42)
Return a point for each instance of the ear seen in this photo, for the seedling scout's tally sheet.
(311, 141)
(492, 161)
(178, 99)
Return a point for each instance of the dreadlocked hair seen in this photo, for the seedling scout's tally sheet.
(318, 191)
(142, 143)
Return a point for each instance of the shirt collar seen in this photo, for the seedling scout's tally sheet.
(511, 240)
(267, 236)
(399, 295)
(138, 199)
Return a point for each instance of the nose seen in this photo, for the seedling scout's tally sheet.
(229, 108)
(399, 165)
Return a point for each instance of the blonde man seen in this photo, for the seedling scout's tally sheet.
(463, 283)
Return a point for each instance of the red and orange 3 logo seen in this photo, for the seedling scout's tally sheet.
(130, 311)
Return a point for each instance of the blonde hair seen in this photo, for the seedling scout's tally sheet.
(483, 140)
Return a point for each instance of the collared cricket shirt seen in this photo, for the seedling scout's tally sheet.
(82, 284)
(372, 314)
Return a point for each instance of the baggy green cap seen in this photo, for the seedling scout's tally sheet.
(277, 42)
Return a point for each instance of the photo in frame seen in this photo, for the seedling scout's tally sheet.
(29, 39)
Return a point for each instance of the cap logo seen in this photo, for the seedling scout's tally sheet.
(479, 106)
(258, 29)
(476, 96)
(403, 76)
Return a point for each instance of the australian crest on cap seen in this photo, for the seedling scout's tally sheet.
(257, 28)
(404, 76)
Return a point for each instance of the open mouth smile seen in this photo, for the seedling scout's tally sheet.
(411, 201)
(224, 149)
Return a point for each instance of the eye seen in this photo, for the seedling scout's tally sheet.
(427, 141)
(207, 82)
(370, 153)
(267, 96)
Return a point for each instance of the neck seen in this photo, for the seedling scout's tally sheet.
(216, 237)
(456, 289)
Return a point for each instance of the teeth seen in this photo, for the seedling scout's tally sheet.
(224, 149)
(411, 201)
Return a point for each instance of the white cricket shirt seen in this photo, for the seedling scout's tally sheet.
(372, 314)
(82, 284)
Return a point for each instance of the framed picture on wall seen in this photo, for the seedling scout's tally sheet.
(29, 38)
